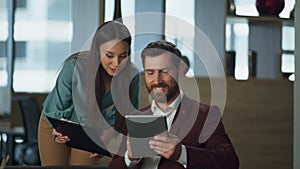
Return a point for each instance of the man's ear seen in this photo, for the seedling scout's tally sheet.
(181, 69)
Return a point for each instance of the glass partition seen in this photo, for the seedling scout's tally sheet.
(43, 35)
(5, 65)
(182, 11)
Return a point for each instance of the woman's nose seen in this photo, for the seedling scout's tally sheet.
(116, 61)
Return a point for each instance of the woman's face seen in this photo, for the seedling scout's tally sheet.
(114, 55)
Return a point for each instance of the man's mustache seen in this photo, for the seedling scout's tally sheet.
(159, 85)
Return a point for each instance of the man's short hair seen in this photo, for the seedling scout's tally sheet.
(185, 59)
(161, 47)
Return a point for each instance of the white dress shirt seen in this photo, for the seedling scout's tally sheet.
(152, 162)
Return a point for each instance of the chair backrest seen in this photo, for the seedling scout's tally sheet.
(31, 114)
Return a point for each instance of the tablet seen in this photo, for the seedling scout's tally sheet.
(141, 129)
(81, 137)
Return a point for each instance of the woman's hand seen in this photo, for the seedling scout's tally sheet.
(95, 155)
(59, 137)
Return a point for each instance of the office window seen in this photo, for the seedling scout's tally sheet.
(288, 63)
(183, 11)
(43, 33)
(3, 43)
(288, 48)
(289, 6)
(21, 3)
(5, 60)
(246, 7)
(237, 35)
(127, 11)
(109, 10)
(288, 38)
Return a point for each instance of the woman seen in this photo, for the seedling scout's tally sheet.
(91, 88)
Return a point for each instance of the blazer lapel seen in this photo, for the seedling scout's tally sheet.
(185, 117)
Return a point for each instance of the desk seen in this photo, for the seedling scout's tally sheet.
(11, 134)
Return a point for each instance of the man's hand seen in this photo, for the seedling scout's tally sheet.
(59, 137)
(167, 146)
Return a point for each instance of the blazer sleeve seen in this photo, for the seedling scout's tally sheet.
(216, 153)
(118, 161)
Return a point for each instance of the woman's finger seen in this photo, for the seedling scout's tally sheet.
(61, 139)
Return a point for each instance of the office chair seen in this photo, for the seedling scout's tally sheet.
(27, 153)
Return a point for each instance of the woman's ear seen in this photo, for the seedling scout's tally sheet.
(181, 69)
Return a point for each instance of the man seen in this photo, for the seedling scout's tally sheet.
(196, 139)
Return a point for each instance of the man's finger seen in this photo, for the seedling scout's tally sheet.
(160, 146)
(168, 143)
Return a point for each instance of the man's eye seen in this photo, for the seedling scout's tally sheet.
(165, 71)
(149, 72)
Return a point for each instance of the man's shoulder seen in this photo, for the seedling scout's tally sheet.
(202, 106)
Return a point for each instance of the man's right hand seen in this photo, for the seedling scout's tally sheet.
(59, 137)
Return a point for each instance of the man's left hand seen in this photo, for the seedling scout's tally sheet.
(167, 146)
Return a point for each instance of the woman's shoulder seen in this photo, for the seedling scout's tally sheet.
(73, 57)
(69, 64)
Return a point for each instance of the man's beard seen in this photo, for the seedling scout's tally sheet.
(160, 96)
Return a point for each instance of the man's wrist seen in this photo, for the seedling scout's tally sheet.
(131, 161)
(135, 158)
(183, 156)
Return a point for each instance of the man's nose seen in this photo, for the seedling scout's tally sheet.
(157, 78)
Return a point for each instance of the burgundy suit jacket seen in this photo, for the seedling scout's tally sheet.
(201, 130)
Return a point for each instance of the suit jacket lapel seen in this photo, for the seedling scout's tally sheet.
(185, 117)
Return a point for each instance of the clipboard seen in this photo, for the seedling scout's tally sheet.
(141, 129)
(81, 137)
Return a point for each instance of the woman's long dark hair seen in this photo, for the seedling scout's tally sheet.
(108, 31)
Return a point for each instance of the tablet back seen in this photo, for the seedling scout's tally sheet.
(81, 137)
(141, 129)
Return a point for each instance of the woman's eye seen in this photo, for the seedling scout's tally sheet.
(109, 56)
(123, 56)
